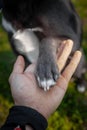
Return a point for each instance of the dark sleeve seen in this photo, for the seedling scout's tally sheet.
(21, 116)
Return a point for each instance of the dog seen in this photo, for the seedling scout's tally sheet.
(47, 23)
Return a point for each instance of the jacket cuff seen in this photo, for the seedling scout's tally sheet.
(22, 116)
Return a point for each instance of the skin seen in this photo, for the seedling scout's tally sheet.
(26, 92)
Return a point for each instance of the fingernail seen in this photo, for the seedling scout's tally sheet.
(78, 53)
(69, 42)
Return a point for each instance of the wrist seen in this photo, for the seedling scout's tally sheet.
(20, 116)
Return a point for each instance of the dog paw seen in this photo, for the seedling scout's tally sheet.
(46, 74)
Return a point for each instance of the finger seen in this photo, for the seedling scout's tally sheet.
(19, 65)
(30, 69)
(58, 91)
(64, 55)
(60, 48)
(70, 69)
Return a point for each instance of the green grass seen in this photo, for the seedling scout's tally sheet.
(6, 61)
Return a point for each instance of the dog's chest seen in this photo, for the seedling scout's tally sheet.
(27, 44)
(25, 41)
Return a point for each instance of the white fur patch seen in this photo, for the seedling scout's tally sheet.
(28, 44)
(36, 29)
(81, 88)
(46, 83)
(50, 82)
(26, 41)
(7, 25)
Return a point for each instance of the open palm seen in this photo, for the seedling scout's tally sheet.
(25, 90)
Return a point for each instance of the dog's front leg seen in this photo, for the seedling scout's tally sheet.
(46, 70)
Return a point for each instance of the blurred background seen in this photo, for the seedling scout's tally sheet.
(72, 113)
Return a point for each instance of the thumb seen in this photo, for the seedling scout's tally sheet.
(19, 65)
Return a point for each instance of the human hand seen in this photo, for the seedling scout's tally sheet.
(26, 92)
